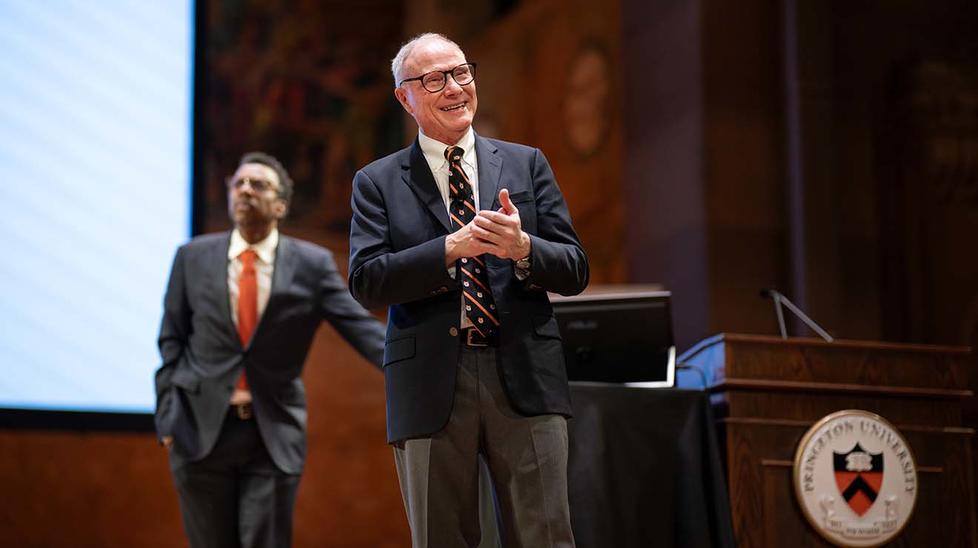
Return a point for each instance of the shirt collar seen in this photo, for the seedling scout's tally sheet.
(434, 150)
(265, 249)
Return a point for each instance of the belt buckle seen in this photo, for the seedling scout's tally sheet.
(243, 410)
(470, 332)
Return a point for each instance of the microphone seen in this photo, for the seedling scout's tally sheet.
(780, 299)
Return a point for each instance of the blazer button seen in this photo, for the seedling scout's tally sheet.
(453, 332)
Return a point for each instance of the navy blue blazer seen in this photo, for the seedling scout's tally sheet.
(203, 356)
(397, 259)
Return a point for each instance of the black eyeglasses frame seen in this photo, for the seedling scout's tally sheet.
(445, 73)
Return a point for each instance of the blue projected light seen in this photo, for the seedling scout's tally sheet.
(95, 151)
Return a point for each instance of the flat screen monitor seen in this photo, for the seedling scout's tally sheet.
(618, 338)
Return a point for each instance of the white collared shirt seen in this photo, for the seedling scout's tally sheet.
(434, 154)
(264, 267)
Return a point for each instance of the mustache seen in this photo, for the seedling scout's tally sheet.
(251, 202)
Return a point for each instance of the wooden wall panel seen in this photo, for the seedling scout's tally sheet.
(743, 159)
(86, 490)
(108, 490)
(550, 77)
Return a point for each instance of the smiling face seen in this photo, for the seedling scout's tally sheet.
(253, 197)
(445, 115)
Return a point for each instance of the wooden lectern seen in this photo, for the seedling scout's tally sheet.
(767, 391)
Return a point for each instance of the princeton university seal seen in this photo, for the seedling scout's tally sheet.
(855, 478)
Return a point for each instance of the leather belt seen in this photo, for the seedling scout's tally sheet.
(472, 337)
(243, 411)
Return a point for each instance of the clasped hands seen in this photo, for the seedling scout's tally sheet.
(498, 233)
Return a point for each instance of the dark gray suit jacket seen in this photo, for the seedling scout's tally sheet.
(203, 357)
(397, 258)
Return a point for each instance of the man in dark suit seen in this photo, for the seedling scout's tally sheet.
(462, 237)
(240, 313)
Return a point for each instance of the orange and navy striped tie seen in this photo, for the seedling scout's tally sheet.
(480, 307)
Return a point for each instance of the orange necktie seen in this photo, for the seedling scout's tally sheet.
(247, 303)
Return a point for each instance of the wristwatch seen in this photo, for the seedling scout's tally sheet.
(524, 263)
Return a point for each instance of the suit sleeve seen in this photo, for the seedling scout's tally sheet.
(172, 342)
(380, 276)
(557, 258)
(355, 324)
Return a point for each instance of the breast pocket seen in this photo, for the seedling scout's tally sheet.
(524, 202)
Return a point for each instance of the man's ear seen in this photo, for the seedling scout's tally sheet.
(402, 98)
(280, 208)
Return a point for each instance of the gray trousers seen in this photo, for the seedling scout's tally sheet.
(526, 458)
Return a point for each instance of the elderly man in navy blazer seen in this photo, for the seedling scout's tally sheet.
(240, 313)
(462, 237)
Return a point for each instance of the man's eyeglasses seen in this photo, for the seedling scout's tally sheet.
(258, 185)
(435, 80)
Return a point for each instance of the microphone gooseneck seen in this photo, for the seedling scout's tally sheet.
(780, 299)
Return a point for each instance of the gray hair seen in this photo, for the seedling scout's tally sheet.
(397, 64)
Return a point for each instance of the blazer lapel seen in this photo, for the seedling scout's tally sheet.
(490, 168)
(281, 280)
(219, 272)
(418, 176)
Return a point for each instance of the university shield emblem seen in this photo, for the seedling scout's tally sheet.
(859, 476)
(840, 481)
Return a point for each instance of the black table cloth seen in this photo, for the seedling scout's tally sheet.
(645, 469)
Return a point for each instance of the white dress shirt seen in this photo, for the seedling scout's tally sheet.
(264, 267)
(434, 153)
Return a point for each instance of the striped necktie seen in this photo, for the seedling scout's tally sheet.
(480, 307)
